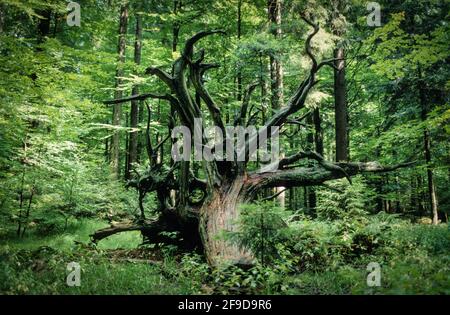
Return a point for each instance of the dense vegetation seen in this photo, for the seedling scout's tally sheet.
(86, 172)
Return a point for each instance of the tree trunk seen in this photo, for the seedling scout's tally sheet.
(134, 114)
(427, 150)
(2, 17)
(117, 109)
(340, 107)
(44, 24)
(239, 33)
(276, 73)
(220, 214)
(276, 67)
(340, 92)
(318, 132)
(311, 143)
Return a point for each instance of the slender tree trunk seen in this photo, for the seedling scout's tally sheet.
(21, 199)
(422, 196)
(427, 150)
(340, 107)
(27, 215)
(239, 34)
(276, 67)
(141, 135)
(312, 199)
(127, 148)
(172, 119)
(276, 71)
(413, 195)
(340, 89)
(44, 25)
(263, 82)
(134, 114)
(176, 26)
(2, 17)
(117, 109)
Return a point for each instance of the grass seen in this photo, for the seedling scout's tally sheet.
(37, 265)
(414, 259)
(76, 231)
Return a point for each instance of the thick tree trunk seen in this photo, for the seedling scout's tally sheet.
(220, 213)
(117, 109)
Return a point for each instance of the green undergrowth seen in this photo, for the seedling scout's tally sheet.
(310, 257)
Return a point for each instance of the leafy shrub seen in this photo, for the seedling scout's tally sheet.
(262, 228)
(317, 245)
(344, 201)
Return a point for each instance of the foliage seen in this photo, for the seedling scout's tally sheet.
(55, 136)
(262, 229)
(344, 201)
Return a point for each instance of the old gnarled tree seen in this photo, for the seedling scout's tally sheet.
(224, 185)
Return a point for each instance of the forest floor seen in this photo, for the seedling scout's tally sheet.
(418, 264)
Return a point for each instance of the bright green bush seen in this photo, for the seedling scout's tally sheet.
(263, 228)
(344, 201)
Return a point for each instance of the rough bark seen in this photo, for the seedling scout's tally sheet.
(340, 89)
(220, 213)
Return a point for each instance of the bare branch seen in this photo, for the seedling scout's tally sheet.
(161, 74)
(139, 97)
(274, 195)
(329, 62)
(247, 95)
(297, 101)
(189, 47)
(315, 175)
(308, 42)
(196, 75)
(162, 142)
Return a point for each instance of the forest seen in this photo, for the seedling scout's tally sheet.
(223, 147)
